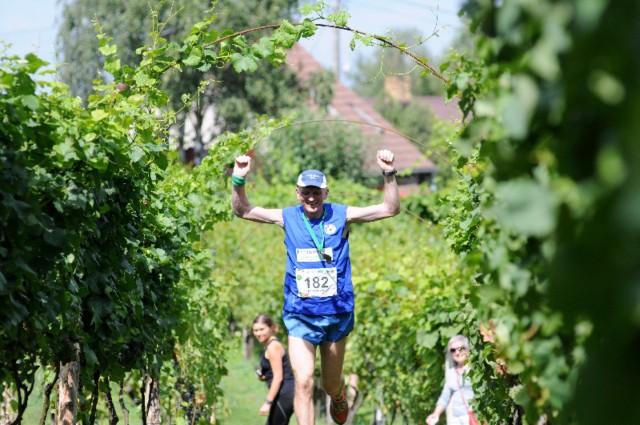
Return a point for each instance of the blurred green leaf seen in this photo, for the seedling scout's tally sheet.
(525, 207)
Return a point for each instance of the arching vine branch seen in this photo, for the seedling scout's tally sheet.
(384, 40)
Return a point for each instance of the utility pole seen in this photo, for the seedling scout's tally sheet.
(336, 45)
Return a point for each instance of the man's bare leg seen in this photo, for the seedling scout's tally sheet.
(302, 355)
(332, 358)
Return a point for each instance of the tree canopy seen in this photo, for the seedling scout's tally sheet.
(237, 97)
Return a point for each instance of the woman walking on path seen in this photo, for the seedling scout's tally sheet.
(275, 369)
(457, 391)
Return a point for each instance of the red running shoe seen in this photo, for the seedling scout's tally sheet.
(339, 410)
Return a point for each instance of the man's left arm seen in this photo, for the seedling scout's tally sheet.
(390, 205)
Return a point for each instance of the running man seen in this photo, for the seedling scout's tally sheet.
(318, 292)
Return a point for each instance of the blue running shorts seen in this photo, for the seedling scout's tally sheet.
(317, 329)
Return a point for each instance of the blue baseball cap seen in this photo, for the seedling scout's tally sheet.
(312, 178)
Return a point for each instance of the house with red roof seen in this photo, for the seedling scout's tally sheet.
(414, 166)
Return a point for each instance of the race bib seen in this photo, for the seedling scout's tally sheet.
(317, 282)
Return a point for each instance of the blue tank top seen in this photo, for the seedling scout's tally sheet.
(312, 284)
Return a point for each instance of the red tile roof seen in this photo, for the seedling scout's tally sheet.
(348, 106)
(447, 112)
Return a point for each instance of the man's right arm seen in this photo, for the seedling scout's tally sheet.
(240, 202)
(390, 205)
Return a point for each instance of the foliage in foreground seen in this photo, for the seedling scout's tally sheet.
(546, 214)
(101, 252)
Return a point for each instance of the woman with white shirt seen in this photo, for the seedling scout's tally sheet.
(457, 392)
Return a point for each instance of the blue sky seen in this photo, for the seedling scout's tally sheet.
(31, 26)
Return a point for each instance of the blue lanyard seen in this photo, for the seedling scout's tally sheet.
(319, 246)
